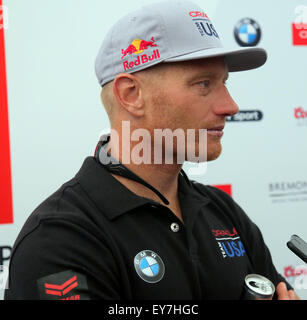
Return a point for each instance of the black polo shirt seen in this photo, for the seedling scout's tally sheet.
(95, 239)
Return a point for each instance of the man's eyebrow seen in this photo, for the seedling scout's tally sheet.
(208, 74)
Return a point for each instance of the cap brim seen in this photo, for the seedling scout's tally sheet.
(236, 59)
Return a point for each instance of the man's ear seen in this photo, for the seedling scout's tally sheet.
(128, 93)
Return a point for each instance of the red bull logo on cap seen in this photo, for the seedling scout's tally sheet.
(137, 46)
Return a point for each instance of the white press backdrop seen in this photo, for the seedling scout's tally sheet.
(55, 114)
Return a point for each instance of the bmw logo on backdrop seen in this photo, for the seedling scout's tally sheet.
(247, 32)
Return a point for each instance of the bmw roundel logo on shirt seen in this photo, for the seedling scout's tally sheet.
(247, 32)
(149, 266)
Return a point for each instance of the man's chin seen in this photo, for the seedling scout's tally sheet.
(208, 157)
(213, 155)
(212, 158)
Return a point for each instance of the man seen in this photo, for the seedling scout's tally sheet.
(129, 229)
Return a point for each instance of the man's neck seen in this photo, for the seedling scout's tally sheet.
(163, 177)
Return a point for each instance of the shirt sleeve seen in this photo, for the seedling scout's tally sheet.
(62, 260)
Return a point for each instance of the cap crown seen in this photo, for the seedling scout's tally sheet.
(153, 34)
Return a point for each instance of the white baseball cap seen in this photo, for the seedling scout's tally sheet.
(168, 31)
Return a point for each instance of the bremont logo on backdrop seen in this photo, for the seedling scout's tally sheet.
(288, 191)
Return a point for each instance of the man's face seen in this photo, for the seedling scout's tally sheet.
(191, 95)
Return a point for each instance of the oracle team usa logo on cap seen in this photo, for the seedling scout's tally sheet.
(149, 266)
(247, 32)
(203, 24)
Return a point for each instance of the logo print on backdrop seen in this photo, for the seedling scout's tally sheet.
(300, 114)
(224, 187)
(299, 34)
(296, 275)
(149, 266)
(6, 212)
(299, 28)
(288, 191)
(5, 254)
(247, 32)
(4, 17)
(203, 24)
(246, 115)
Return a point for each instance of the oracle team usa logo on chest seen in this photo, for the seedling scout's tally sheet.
(149, 266)
(229, 243)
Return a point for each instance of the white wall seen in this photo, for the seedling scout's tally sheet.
(55, 113)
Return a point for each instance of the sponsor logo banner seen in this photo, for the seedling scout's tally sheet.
(299, 34)
(247, 32)
(296, 275)
(288, 191)
(246, 115)
(224, 187)
(5, 254)
(300, 115)
(6, 212)
(299, 27)
(4, 17)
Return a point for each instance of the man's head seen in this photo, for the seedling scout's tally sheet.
(181, 95)
(164, 66)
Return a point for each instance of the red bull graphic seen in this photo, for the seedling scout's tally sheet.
(6, 211)
(136, 47)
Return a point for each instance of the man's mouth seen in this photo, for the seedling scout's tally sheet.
(216, 131)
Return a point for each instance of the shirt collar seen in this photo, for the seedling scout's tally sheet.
(114, 199)
(108, 194)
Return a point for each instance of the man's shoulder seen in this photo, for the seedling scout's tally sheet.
(69, 202)
(61, 203)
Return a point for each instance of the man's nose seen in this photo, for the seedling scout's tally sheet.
(225, 105)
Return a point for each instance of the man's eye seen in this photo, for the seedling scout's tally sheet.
(204, 84)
